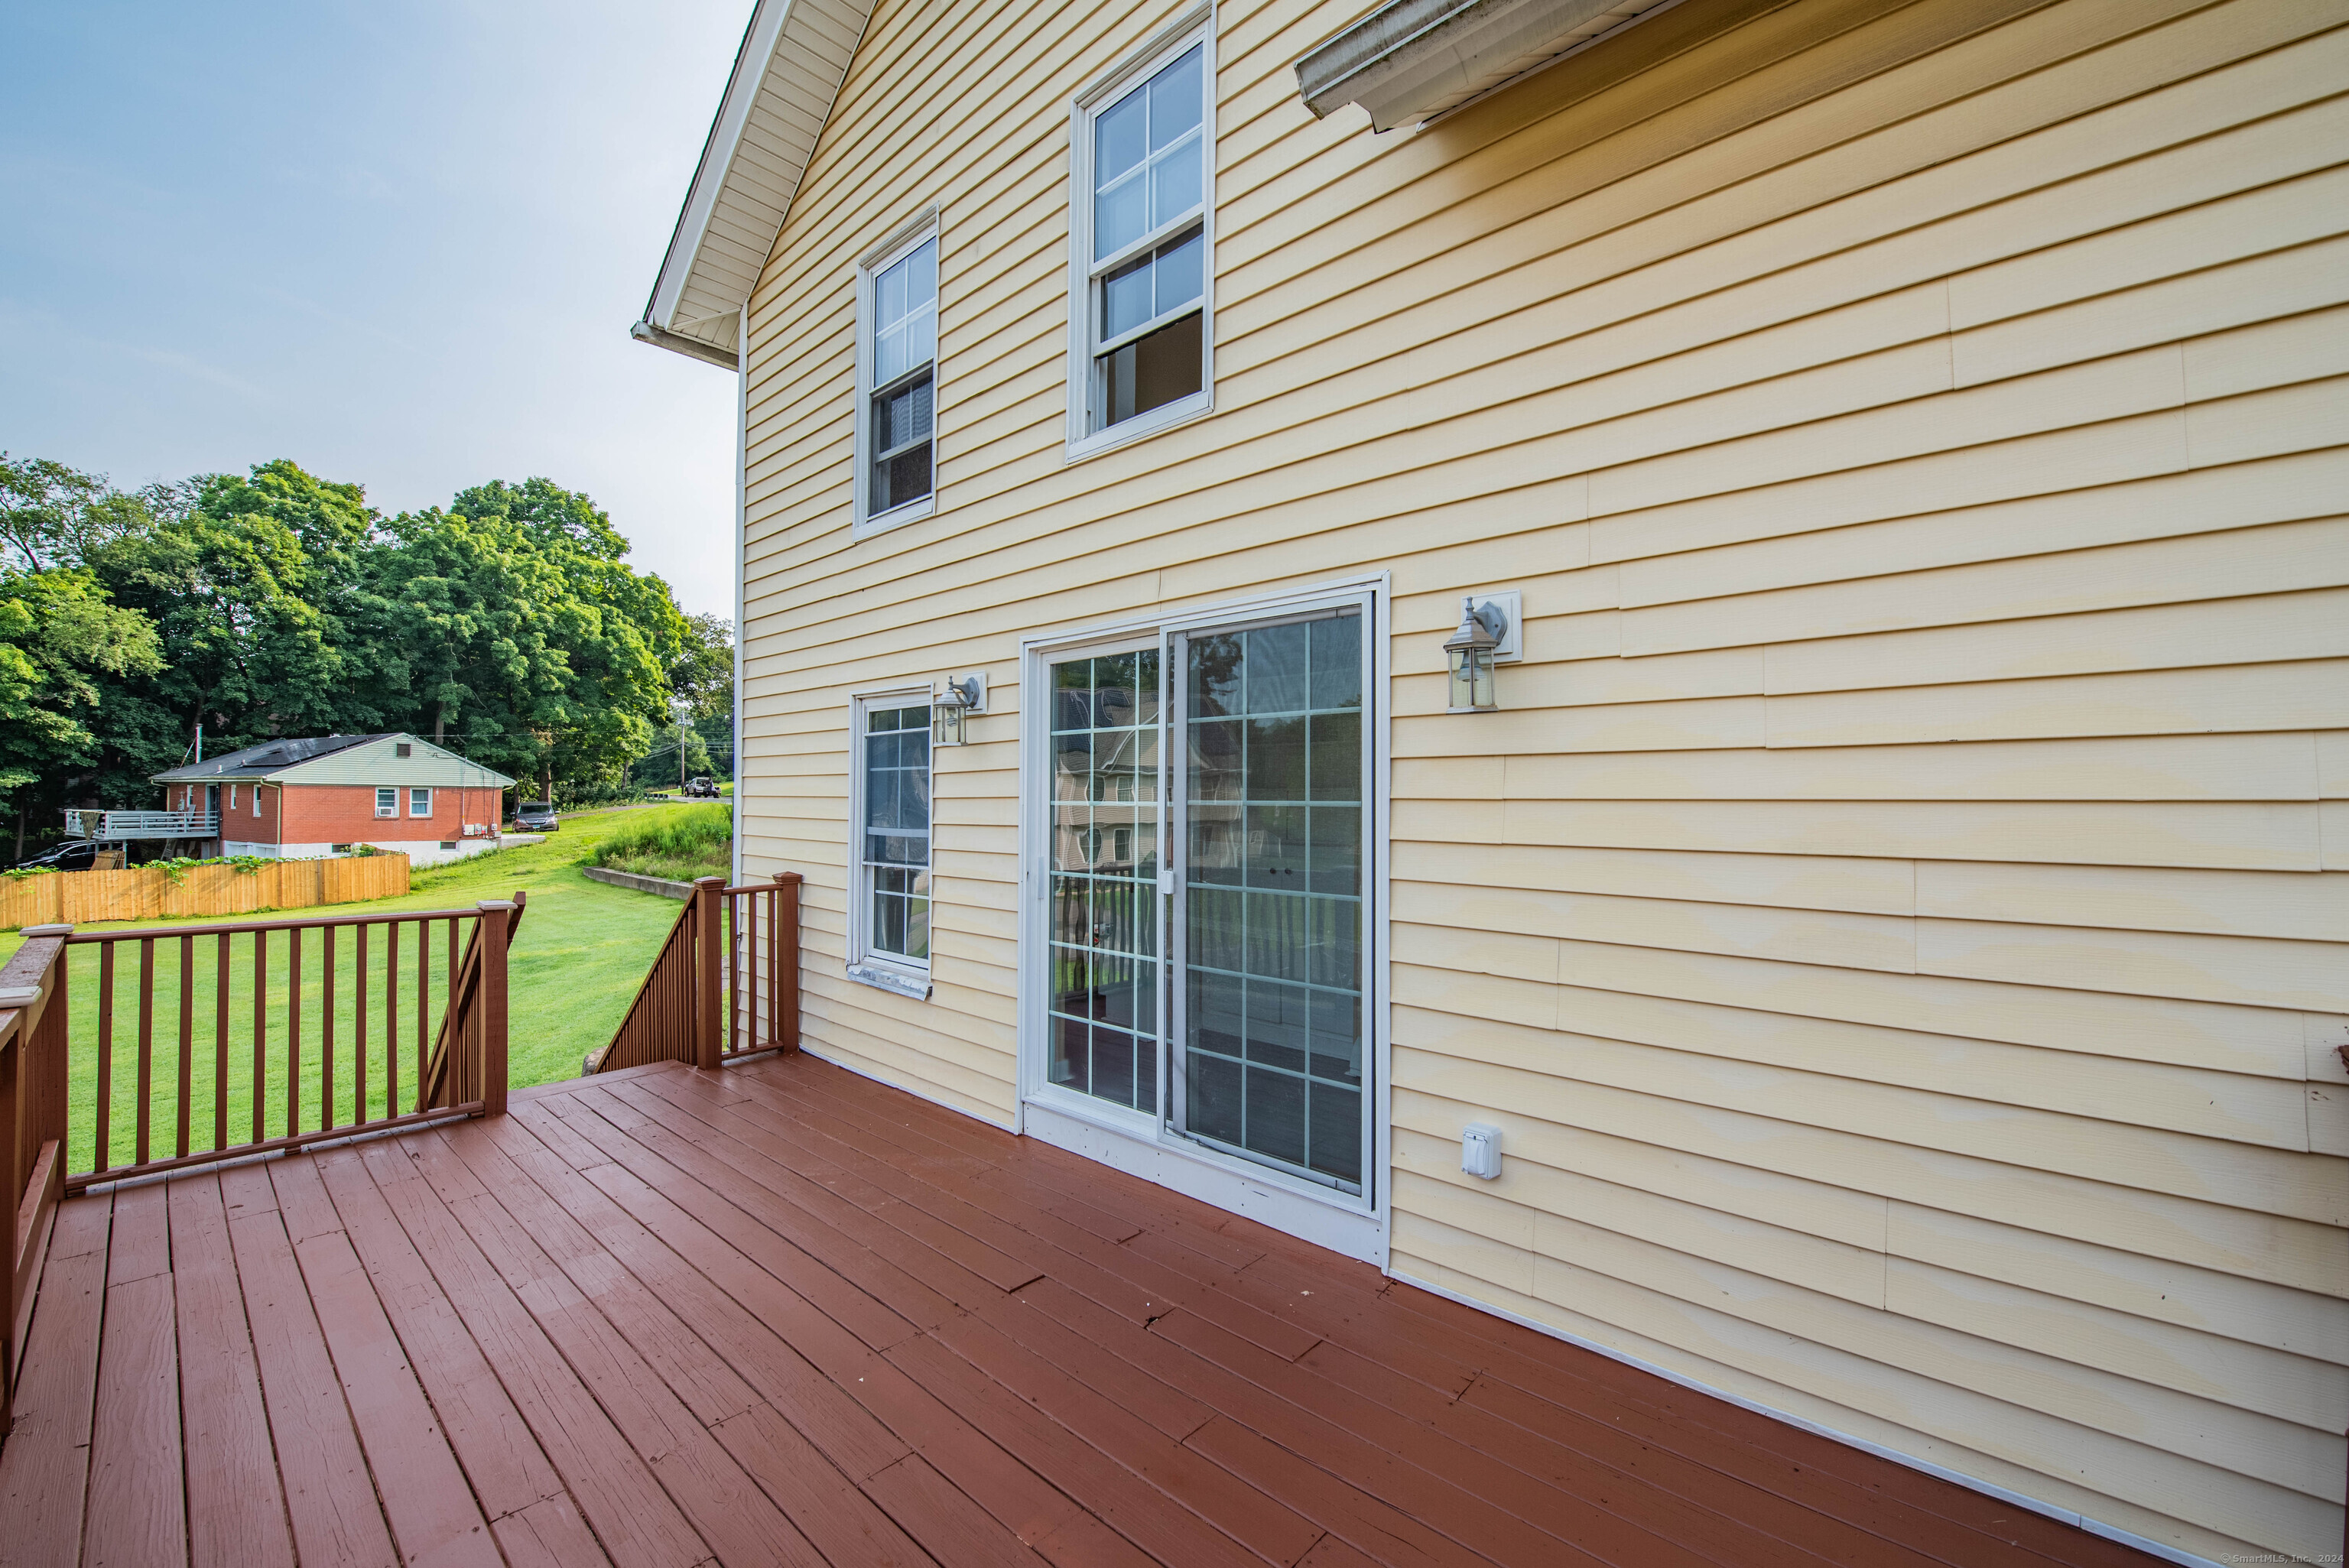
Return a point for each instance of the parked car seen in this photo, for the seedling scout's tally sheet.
(701, 789)
(73, 855)
(536, 817)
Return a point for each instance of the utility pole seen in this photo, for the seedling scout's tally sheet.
(682, 711)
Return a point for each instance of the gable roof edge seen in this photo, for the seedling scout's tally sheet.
(708, 272)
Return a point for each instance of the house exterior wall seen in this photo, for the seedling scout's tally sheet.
(1897, 918)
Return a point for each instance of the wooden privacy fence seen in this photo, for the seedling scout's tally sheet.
(725, 985)
(149, 892)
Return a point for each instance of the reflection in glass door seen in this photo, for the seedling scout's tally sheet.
(1269, 912)
(1105, 981)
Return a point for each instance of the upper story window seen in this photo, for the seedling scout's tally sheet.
(387, 801)
(420, 802)
(897, 373)
(1140, 308)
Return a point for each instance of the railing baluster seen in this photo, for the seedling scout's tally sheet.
(105, 1148)
(220, 1047)
(391, 1018)
(733, 937)
(187, 1041)
(358, 1027)
(327, 1031)
(146, 1044)
(424, 1007)
(294, 1031)
(259, 1087)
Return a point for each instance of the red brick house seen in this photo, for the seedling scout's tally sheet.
(292, 798)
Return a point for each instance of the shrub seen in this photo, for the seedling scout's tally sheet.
(695, 841)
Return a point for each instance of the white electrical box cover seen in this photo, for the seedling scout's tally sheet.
(1480, 1149)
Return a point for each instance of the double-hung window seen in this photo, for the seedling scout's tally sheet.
(420, 802)
(1142, 314)
(387, 801)
(896, 372)
(890, 928)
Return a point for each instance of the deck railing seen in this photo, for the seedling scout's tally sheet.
(726, 983)
(108, 826)
(187, 1044)
(33, 1108)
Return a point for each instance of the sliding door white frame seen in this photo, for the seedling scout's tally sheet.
(1142, 1144)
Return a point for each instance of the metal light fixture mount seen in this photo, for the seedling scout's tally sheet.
(1488, 635)
(958, 697)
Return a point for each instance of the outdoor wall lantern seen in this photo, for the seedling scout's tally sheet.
(957, 701)
(1487, 637)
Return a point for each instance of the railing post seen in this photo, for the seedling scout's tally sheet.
(497, 919)
(708, 942)
(784, 939)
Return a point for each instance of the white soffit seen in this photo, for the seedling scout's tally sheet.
(1411, 60)
(788, 69)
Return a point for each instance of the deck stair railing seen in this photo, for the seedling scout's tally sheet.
(725, 985)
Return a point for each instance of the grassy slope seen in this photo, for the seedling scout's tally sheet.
(581, 949)
(695, 841)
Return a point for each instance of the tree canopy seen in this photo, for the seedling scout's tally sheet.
(507, 626)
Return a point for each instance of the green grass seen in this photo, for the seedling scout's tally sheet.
(679, 844)
(577, 958)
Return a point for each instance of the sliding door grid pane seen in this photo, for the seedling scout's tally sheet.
(1273, 981)
(1104, 872)
(896, 829)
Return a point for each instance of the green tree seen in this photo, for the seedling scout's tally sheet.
(254, 592)
(60, 638)
(52, 515)
(524, 640)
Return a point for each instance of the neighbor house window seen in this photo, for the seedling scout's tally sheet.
(256, 799)
(897, 375)
(1141, 230)
(420, 802)
(891, 931)
(231, 797)
(387, 802)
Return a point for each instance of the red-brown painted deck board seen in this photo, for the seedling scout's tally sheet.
(783, 1315)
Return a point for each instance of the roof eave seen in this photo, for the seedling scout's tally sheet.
(699, 300)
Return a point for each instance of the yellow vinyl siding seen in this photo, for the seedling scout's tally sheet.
(1900, 914)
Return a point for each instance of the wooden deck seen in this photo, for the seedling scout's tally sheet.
(781, 1315)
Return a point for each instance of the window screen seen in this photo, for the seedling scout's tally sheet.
(894, 866)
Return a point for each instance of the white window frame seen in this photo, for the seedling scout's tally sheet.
(887, 971)
(231, 797)
(383, 809)
(1358, 1225)
(1196, 27)
(414, 792)
(880, 259)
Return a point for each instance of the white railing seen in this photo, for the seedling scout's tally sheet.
(111, 825)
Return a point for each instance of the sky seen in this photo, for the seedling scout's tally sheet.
(399, 244)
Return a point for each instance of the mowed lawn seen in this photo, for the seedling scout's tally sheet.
(577, 958)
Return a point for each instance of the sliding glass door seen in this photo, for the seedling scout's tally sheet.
(1268, 1038)
(1224, 998)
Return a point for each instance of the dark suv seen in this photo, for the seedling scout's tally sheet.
(73, 855)
(536, 817)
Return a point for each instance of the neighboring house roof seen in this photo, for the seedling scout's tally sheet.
(341, 760)
(788, 69)
(1411, 60)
